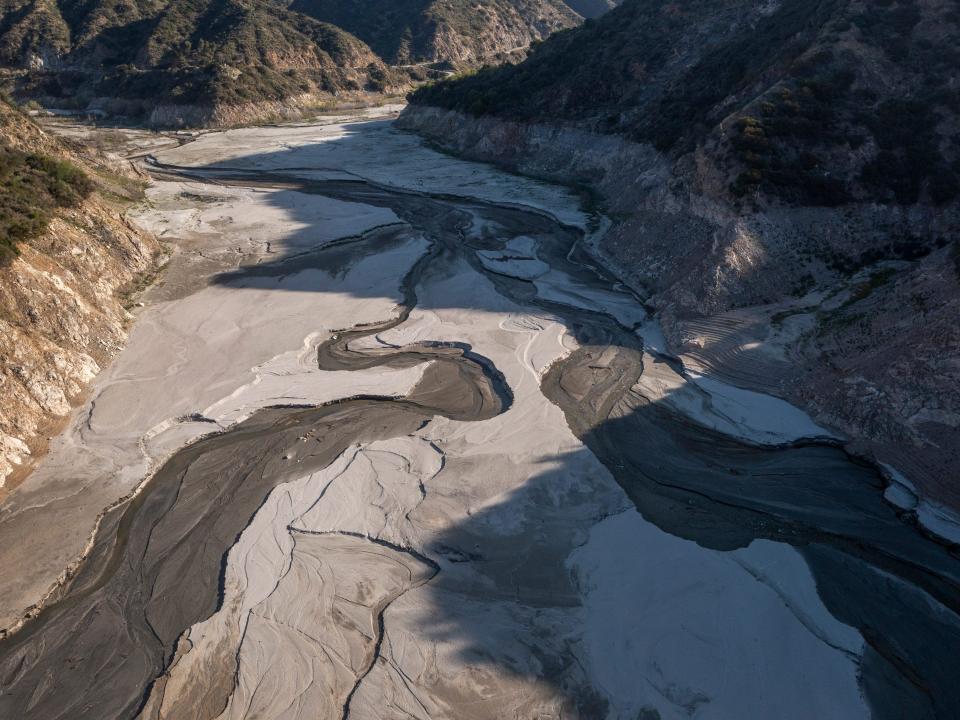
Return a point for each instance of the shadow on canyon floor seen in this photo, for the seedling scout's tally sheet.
(508, 564)
(874, 569)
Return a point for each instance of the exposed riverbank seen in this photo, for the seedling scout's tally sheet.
(464, 539)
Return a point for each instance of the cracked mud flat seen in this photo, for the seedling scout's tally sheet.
(447, 525)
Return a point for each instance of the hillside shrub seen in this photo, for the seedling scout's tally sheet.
(32, 187)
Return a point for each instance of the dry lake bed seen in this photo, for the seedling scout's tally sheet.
(387, 441)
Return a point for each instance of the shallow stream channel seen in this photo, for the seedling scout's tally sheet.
(526, 529)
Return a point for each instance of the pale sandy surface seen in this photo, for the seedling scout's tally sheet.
(519, 493)
(465, 570)
(374, 151)
(217, 350)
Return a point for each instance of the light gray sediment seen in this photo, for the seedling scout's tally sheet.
(158, 561)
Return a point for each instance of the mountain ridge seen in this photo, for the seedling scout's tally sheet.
(192, 59)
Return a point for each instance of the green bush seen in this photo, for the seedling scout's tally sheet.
(32, 187)
(781, 147)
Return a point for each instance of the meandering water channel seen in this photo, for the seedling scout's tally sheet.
(158, 561)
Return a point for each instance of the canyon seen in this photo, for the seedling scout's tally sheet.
(394, 435)
(614, 375)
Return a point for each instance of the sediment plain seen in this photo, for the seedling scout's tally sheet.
(387, 442)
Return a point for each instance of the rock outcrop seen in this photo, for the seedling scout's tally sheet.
(61, 299)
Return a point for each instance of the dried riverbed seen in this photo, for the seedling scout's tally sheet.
(469, 489)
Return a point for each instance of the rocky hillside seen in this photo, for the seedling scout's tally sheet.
(66, 258)
(784, 180)
(182, 61)
(204, 62)
(818, 103)
(459, 32)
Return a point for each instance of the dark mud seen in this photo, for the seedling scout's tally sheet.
(874, 571)
(158, 561)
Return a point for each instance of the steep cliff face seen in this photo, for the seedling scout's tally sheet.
(61, 311)
(783, 180)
